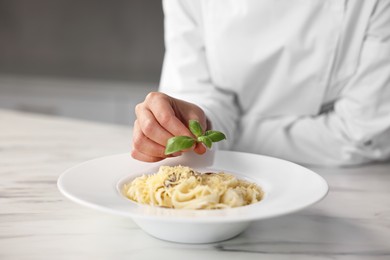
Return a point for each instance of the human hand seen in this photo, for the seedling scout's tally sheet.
(160, 117)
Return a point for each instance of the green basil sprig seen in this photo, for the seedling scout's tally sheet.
(178, 143)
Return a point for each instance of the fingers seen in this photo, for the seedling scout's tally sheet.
(200, 148)
(143, 157)
(145, 149)
(162, 107)
(150, 127)
(159, 118)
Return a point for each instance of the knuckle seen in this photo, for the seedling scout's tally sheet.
(148, 126)
(165, 119)
(138, 142)
(134, 154)
(153, 96)
(136, 124)
(138, 108)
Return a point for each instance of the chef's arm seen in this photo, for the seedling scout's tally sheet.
(357, 129)
(185, 72)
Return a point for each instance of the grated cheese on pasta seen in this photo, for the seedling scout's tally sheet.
(181, 187)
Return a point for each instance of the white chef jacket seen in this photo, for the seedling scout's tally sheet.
(303, 80)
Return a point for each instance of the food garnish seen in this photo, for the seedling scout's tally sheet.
(179, 143)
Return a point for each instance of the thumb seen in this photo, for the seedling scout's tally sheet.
(199, 148)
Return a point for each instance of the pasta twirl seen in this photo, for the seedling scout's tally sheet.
(183, 188)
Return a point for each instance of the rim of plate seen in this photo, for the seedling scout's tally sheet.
(288, 187)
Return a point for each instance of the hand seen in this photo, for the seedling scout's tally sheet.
(159, 118)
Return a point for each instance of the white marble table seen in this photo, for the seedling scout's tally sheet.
(37, 222)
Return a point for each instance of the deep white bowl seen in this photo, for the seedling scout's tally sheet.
(288, 188)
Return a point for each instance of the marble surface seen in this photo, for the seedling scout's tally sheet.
(37, 222)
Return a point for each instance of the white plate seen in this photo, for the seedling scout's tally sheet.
(288, 188)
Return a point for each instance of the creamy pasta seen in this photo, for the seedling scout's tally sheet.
(181, 187)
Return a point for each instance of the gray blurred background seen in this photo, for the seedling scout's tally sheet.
(89, 59)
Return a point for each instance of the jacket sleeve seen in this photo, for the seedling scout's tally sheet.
(185, 73)
(356, 130)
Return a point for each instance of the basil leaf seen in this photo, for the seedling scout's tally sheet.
(206, 140)
(195, 128)
(215, 136)
(178, 143)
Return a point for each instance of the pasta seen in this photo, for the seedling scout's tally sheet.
(181, 187)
